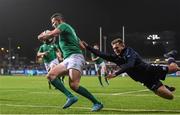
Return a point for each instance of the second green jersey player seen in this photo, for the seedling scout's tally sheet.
(50, 55)
(100, 66)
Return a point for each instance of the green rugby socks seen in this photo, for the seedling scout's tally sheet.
(84, 92)
(59, 85)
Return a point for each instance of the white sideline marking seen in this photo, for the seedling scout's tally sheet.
(87, 108)
(131, 92)
(113, 94)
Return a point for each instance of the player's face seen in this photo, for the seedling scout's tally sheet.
(55, 22)
(117, 47)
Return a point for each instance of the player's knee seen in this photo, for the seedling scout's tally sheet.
(164, 93)
(74, 86)
(173, 68)
(51, 76)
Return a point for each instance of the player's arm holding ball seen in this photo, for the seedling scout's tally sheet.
(48, 34)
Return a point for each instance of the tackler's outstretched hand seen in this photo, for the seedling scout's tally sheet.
(41, 36)
(110, 76)
(84, 43)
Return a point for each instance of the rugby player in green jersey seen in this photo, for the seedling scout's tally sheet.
(72, 64)
(51, 56)
(100, 66)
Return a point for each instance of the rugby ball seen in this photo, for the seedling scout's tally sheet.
(50, 40)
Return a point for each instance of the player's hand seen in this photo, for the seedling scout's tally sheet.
(44, 35)
(84, 43)
(45, 53)
(41, 37)
(110, 76)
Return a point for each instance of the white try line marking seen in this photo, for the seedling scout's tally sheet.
(131, 93)
(128, 92)
(137, 91)
(87, 108)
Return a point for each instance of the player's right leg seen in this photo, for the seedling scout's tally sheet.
(61, 70)
(158, 88)
(47, 66)
(163, 92)
(104, 72)
(99, 77)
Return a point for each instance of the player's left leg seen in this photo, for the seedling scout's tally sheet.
(74, 79)
(154, 84)
(104, 73)
(61, 69)
(75, 65)
(163, 92)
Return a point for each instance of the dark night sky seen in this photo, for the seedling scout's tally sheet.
(23, 20)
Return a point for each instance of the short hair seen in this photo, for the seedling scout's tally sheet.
(117, 40)
(57, 15)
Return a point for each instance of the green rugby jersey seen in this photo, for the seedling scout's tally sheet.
(99, 60)
(51, 49)
(68, 40)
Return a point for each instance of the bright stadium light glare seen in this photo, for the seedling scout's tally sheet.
(18, 47)
(2, 49)
(154, 42)
(13, 57)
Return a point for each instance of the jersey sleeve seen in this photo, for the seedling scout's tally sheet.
(62, 27)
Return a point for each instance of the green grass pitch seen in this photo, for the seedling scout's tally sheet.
(30, 95)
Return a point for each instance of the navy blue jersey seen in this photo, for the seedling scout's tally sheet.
(131, 62)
